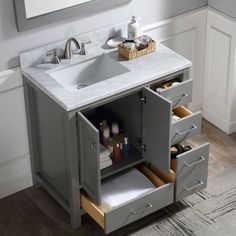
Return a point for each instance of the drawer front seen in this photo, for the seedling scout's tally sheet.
(192, 162)
(186, 127)
(180, 94)
(192, 184)
(138, 208)
(191, 171)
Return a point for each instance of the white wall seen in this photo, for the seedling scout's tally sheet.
(12, 42)
(225, 6)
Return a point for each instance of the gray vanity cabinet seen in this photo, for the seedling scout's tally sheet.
(65, 149)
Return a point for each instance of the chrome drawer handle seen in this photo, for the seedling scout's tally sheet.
(185, 95)
(195, 163)
(135, 212)
(194, 127)
(194, 186)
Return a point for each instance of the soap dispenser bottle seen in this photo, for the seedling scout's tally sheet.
(134, 29)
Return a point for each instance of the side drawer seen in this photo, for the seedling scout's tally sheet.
(191, 171)
(179, 95)
(188, 126)
(192, 184)
(117, 217)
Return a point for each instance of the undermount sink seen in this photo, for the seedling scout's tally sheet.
(86, 73)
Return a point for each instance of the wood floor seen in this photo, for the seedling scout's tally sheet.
(33, 212)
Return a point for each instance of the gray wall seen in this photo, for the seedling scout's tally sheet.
(226, 6)
(12, 42)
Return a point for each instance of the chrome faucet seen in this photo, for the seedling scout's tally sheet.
(68, 51)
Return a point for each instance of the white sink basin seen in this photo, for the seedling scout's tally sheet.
(86, 73)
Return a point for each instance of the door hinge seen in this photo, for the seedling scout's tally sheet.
(143, 147)
(143, 99)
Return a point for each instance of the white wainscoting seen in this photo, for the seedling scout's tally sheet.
(15, 170)
(220, 81)
(184, 34)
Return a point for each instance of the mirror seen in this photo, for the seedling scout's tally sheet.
(37, 8)
(33, 13)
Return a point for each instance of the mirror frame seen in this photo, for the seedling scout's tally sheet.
(81, 10)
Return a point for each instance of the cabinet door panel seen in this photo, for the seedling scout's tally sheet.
(156, 114)
(89, 158)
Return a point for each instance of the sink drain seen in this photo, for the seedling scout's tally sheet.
(80, 86)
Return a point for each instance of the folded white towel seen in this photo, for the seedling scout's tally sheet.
(103, 152)
(125, 187)
(105, 164)
(105, 158)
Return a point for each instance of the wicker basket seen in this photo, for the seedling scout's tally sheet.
(131, 54)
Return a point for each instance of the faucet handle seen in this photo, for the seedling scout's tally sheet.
(56, 59)
(83, 50)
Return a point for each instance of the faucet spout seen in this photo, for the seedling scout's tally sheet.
(68, 51)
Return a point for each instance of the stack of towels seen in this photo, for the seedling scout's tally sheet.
(105, 159)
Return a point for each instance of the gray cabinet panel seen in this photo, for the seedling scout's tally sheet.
(89, 158)
(138, 208)
(156, 113)
(192, 184)
(180, 94)
(191, 171)
(186, 128)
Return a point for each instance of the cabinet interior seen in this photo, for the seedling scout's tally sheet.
(127, 112)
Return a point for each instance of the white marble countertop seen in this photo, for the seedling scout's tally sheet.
(141, 71)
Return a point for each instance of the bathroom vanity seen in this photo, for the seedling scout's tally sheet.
(64, 140)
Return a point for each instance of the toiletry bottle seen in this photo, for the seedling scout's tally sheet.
(134, 29)
(110, 145)
(115, 129)
(125, 148)
(117, 152)
(106, 136)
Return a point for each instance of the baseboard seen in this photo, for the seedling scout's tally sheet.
(14, 185)
(217, 120)
(232, 127)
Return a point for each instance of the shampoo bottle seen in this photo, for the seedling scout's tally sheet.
(134, 29)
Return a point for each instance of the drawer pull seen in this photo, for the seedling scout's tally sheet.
(135, 212)
(195, 163)
(187, 131)
(185, 95)
(194, 186)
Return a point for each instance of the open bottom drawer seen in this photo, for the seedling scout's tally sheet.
(115, 218)
(188, 126)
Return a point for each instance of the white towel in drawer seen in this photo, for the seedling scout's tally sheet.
(125, 187)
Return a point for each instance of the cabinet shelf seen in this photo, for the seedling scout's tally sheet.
(135, 158)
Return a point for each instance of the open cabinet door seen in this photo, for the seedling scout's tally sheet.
(89, 149)
(156, 114)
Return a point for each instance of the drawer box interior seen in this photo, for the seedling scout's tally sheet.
(135, 208)
(181, 112)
